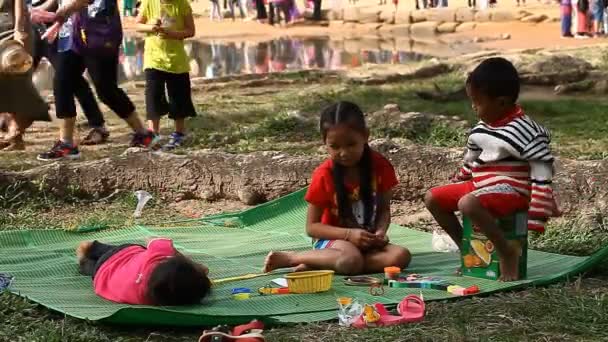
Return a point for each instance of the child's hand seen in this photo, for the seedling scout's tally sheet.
(382, 238)
(362, 238)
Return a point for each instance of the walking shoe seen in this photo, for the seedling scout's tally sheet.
(96, 136)
(145, 140)
(60, 151)
(175, 141)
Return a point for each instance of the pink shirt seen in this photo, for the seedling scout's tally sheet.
(123, 278)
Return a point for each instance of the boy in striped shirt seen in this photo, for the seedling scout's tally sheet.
(508, 165)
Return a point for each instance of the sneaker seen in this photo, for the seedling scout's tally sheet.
(146, 140)
(175, 141)
(60, 151)
(96, 136)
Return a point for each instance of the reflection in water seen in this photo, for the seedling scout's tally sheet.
(211, 59)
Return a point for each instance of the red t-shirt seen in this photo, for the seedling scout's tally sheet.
(321, 191)
(123, 278)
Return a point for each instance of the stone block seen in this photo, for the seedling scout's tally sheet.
(403, 17)
(447, 27)
(424, 29)
(469, 26)
(499, 15)
(483, 16)
(419, 16)
(441, 15)
(388, 16)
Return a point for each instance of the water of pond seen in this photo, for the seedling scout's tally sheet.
(215, 59)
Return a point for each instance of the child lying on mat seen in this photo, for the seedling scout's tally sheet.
(153, 275)
(349, 203)
(508, 165)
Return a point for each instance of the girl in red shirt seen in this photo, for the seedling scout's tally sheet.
(349, 203)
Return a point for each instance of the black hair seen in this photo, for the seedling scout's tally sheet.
(348, 113)
(495, 77)
(177, 281)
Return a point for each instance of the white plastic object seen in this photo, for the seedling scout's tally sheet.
(442, 242)
(142, 198)
(348, 310)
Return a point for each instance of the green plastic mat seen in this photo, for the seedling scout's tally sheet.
(45, 271)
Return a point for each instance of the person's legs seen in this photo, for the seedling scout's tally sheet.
(271, 13)
(316, 15)
(180, 107)
(69, 67)
(261, 10)
(88, 253)
(231, 4)
(566, 20)
(442, 203)
(242, 8)
(103, 72)
(156, 102)
(391, 255)
(342, 257)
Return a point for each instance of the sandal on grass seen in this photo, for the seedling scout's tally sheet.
(96, 136)
(251, 332)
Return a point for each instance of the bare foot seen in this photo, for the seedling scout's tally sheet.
(276, 260)
(509, 264)
(83, 249)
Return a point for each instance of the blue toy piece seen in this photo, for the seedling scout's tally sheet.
(5, 281)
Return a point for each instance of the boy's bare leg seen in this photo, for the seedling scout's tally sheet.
(446, 220)
(391, 255)
(180, 125)
(343, 257)
(470, 206)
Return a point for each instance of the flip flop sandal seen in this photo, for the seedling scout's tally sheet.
(385, 319)
(411, 309)
(254, 326)
(251, 332)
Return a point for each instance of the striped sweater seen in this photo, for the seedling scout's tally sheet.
(514, 151)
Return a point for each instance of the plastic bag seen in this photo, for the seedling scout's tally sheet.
(142, 198)
(442, 242)
(348, 310)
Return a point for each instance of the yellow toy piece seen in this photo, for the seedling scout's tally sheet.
(370, 315)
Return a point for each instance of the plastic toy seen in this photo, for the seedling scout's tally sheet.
(361, 281)
(273, 290)
(370, 315)
(241, 293)
(451, 288)
(392, 272)
(376, 289)
(243, 277)
(310, 281)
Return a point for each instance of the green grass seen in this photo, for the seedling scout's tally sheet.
(578, 125)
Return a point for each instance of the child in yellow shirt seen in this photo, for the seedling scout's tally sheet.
(168, 23)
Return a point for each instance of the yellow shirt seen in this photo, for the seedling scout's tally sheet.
(160, 53)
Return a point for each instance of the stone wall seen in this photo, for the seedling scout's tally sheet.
(432, 21)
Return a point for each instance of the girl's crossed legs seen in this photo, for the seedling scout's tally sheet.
(343, 257)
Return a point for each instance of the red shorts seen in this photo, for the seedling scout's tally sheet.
(501, 199)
